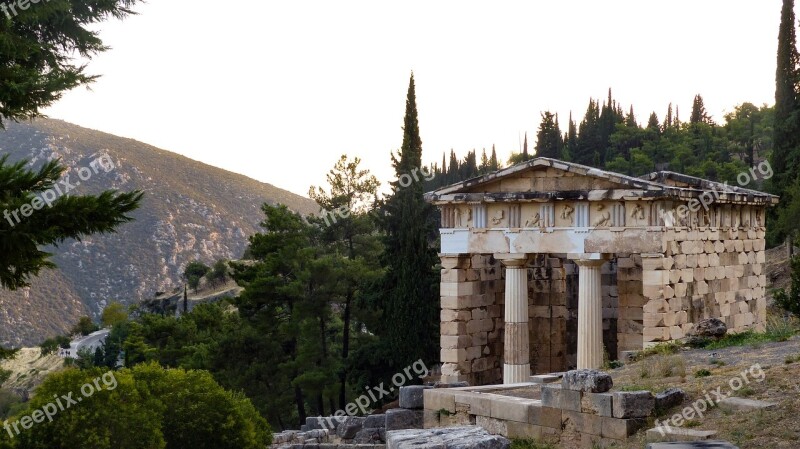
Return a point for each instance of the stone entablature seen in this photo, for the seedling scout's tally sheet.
(670, 250)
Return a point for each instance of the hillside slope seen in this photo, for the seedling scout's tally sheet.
(190, 211)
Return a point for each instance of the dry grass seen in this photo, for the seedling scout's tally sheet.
(777, 428)
(662, 366)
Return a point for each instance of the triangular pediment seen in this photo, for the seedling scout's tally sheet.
(548, 175)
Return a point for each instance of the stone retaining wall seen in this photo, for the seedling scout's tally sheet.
(703, 273)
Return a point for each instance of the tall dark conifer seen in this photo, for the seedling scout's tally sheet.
(525, 155)
(548, 138)
(493, 164)
(785, 138)
(411, 284)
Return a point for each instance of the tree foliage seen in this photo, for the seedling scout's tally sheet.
(38, 46)
(144, 407)
(411, 284)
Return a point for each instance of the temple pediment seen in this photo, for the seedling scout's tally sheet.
(544, 179)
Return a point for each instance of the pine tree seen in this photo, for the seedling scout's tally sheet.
(699, 114)
(548, 138)
(493, 164)
(630, 119)
(23, 229)
(412, 297)
(38, 51)
(652, 123)
(485, 165)
(589, 146)
(786, 140)
(37, 65)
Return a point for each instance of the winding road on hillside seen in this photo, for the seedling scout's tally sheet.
(91, 342)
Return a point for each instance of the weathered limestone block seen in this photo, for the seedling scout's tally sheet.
(669, 398)
(400, 418)
(621, 429)
(587, 380)
(349, 427)
(375, 421)
(472, 437)
(633, 404)
(455, 315)
(411, 397)
(597, 404)
(656, 334)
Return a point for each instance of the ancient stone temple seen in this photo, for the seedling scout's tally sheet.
(549, 265)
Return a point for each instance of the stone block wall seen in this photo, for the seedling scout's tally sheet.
(703, 273)
(472, 310)
(553, 306)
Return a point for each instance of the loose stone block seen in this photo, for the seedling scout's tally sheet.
(743, 404)
(669, 398)
(411, 397)
(633, 404)
(586, 380)
(375, 421)
(469, 437)
(664, 434)
(400, 418)
(349, 427)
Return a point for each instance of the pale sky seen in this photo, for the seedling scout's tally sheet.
(279, 90)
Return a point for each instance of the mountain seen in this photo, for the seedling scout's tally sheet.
(190, 211)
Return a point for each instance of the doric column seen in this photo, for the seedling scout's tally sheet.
(590, 313)
(517, 366)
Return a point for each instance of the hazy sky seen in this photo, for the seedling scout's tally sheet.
(279, 90)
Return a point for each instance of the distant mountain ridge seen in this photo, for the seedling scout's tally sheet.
(190, 211)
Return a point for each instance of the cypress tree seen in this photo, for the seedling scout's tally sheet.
(493, 164)
(785, 138)
(589, 145)
(525, 155)
(571, 142)
(548, 138)
(412, 298)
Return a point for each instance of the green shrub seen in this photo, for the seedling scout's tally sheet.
(146, 407)
(667, 348)
(702, 373)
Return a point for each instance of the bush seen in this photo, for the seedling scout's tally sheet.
(143, 408)
(702, 373)
(85, 326)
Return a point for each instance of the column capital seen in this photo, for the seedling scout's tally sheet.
(512, 259)
(589, 259)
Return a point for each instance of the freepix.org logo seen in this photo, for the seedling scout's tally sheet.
(12, 9)
(61, 188)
